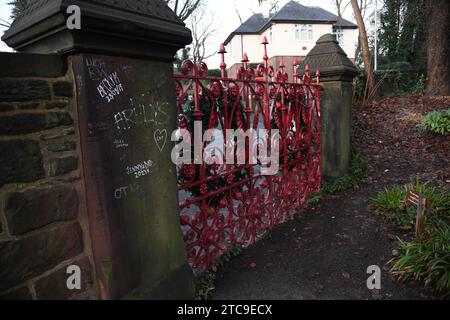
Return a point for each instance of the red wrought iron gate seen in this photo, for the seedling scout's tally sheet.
(223, 204)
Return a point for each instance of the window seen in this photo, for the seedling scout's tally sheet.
(304, 32)
(339, 33)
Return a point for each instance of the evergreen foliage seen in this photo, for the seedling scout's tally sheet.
(403, 34)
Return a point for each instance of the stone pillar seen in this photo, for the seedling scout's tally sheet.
(336, 76)
(122, 61)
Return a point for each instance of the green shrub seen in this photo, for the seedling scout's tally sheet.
(388, 203)
(314, 199)
(352, 180)
(426, 258)
(394, 66)
(437, 122)
(205, 285)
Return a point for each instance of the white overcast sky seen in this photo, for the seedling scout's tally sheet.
(223, 15)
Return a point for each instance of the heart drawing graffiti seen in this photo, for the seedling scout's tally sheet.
(160, 137)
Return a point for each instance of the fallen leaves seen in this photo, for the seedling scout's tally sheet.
(388, 135)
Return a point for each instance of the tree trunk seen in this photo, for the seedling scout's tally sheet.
(370, 87)
(438, 68)
(338, 4)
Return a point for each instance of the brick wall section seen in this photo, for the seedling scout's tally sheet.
(43, 221)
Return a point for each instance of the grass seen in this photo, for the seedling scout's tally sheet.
(388, 203)
(425, 257)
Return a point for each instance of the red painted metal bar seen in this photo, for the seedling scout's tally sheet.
(222, 205)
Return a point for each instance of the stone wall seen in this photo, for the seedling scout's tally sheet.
(43, 220)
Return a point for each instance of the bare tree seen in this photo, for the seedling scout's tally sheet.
(370, 86)
(274, 5)
(341, 6)
(184, 8)
(4, 23)
(238, 13)
(201, 32)
(363, 5)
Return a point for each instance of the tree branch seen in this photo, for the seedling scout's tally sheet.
(188, 9)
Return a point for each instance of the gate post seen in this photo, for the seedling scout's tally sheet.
(336, 76)
(121, 61)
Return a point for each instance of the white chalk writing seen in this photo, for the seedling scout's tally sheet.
(123, 192)
(140, 170)
(110, 87)
(119, 143)
(96, 69)
(141, 114)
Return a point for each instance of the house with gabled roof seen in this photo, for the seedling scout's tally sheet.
(291, 32)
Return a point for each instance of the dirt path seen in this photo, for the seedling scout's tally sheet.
(321, 254)
(325, 251)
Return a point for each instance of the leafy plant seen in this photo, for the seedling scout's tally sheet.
(388, 203)
(437, 122)
(314, 199)
(426, 258)
(205, 285)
